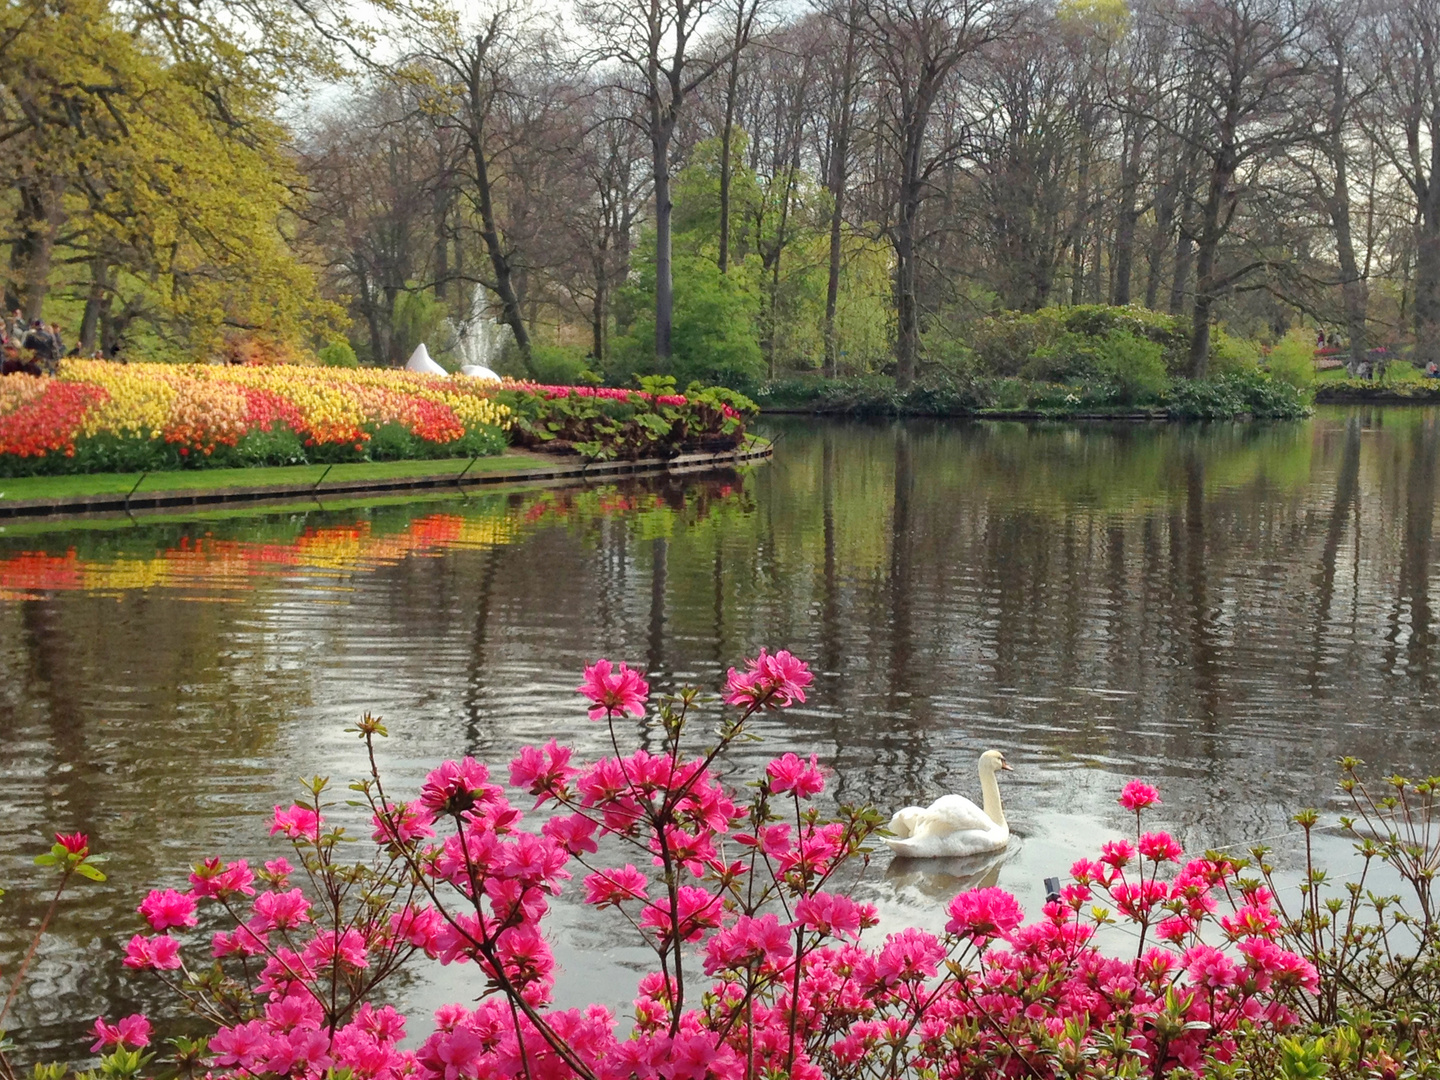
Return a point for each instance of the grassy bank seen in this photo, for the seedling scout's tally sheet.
(68, 487)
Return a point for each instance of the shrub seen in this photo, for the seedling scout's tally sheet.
(1232, 355)
(1293, 360)
(1230, 397)
(746, 881)
(1135, 366)
(558, 365)
(339, 354)
(1005, 343)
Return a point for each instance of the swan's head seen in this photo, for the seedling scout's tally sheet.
(993, 761)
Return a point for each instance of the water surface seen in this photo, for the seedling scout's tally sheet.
(1222, 609)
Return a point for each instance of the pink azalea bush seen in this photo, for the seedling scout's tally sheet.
(762, 963)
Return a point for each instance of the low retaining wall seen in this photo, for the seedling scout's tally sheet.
(541, 472)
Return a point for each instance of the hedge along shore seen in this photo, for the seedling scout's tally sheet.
(131, 493)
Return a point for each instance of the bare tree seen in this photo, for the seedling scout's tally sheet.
(1249, 77)
(916, 46)
(657, 41)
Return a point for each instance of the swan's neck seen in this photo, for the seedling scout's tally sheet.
(990, 790)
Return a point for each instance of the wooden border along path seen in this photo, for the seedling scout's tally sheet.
(530, 468)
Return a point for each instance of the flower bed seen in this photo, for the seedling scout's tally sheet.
(101, 417)
(604, 423)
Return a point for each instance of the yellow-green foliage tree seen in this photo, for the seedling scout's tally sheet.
(147, 182)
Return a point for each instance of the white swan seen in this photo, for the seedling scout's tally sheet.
(953, 825)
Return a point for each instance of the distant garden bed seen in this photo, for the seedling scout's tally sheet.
(1089, 361)
(1249, 394)
(97, 416)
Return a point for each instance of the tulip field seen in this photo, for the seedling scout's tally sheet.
(97, 416)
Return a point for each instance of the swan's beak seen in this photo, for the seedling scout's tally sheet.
(1005, 767)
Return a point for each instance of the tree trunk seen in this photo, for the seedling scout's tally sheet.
(664, 286)
(907, 335)
(1206, 287)
(726, 135)
(510, 311)
(95, 299)
(1160, 240)
(1352, 286)
(597, 311)
(1079, 243)
(839, 176)
(1128, 217)
(32, 251)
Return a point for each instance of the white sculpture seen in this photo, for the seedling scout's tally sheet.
(420, 361)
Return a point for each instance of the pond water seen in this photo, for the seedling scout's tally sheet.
(1221, 609)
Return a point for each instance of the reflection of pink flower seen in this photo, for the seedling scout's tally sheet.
(983, 913)
(792, 773)
(163, 910)
(615, 691)
(1138, 796)
(132, 1031)
(777, 680)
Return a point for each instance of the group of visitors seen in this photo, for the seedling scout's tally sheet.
(33, 348)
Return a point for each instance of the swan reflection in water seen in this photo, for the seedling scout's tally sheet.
(942, 879)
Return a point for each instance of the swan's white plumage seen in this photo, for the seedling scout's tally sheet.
(953, 825)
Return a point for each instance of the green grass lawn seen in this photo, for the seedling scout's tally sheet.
(60, 487)
(1401, 371)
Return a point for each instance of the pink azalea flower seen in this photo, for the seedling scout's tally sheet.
(606, 887)
(748, 941)
(614, 691)
(1209, 967)
(348, 949)
(831, 913)
(297, 823)
(455, 786)
(542, 772)
(405, 822)
(1117, 853)
(159, 953)
(130, 1031)
(772, 681)
(1138, 796)
(163, 910)
(279, 911)
(1160, 847)
(575, 833)
(212, 878)
(790, 773)
(75, 843)
(698, 910)
(982, 914)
